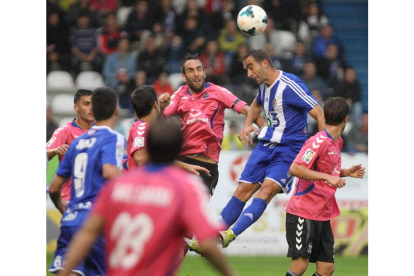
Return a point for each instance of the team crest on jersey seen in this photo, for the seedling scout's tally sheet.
(307, 157)
(274, 104)
(51, 141)
(205, 96)
(139, 141)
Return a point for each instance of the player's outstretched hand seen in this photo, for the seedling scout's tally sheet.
(336, 181)
(195, 169)
(61, 150)
(244, 135)
(164, 100)
(357, 171)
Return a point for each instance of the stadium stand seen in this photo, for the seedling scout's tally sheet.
(89, 80)
(348, 18)
(59, 80)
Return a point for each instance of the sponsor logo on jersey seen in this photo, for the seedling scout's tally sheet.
(92, 131)
(139, 141)
(274, 104)
(307, 157)
(51, 141)
(191, 121)
(70, 216)
(331, 152)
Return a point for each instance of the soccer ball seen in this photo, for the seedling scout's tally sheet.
(252, 20)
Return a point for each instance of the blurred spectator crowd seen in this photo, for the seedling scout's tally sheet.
(136, 42)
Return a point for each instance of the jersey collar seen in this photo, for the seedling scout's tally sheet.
(76, 125)
(327, 133)
(206, 85)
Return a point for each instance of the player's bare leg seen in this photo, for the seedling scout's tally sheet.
(268, 190)
(298, 266)
(245, 190)
(324, 268)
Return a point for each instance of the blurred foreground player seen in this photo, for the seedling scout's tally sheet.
(90, 160)
(145, 213)
(310, 209)
(64, 136)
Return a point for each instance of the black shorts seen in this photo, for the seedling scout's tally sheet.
(309, 239)
(210, 181)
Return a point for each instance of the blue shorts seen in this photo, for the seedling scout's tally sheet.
(93, 264)
(270, 161)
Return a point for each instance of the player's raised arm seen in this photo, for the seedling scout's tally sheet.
(317, 114)
(253, 114)
(164, 100)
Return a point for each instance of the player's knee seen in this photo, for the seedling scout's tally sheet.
(299, 268)
(327, 270)
(244, 191)
(267, 192)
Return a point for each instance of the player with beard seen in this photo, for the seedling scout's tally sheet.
(310, 209)
(200, 107)
(147, 108)
(64, 136)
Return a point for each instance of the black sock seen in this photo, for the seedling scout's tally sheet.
(290, 273)
(316, 274)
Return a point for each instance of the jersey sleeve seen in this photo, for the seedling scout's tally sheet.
(171, 109)
(138, 140)
(59, 137)
(195, 215)
(310, 151)
(299, 96)
(65, 166)
(229, 100)
(113, 151)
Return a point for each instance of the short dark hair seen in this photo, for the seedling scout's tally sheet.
(259, 56)
(189, 57)
(143, 99)
(104, 102)
(164, 141)
(335, 110)
(80, 93)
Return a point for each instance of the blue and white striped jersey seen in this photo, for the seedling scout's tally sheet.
(286, 104)
(84, 160)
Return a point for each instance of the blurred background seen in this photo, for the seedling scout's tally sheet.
(127, 43)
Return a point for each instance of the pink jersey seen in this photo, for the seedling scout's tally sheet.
(65, 135)
(315, 199)
(202, 117)
(136, 140)
(147, 212)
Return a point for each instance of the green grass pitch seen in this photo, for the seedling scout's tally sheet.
(263, 266)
